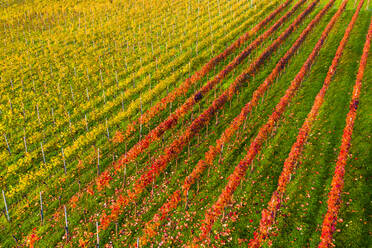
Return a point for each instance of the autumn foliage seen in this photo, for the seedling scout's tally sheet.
(240, 170)
(32, 238)
(184, 123)
(210, 155)
(178, 144)
(185, 86)
(268, 214)
(334, 196)
(172, 120)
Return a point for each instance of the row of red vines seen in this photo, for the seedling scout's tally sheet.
(104, 179)
(172, 120)
(175, 198)
(177, 145)
(268, 215)
(185, 86)
(240, 170)
(334, 196)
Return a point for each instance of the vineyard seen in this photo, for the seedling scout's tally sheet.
(198, 123)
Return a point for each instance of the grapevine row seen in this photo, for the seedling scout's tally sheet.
(100, 112)
(185, 86)
(172, 120)
(83, 141)
(77, 195)
(334, 196)
(225, 137)
(176, 147)
(268, 215)
(240, 170)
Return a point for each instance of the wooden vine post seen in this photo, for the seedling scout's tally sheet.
(66, 222)
(6, 207)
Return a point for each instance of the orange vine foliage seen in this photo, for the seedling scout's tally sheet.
(32, 238)
(268, 215)
(225, 137)
(177, 145)
(334, 196)
(172, 120)
(185, 86)
(240, 170)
